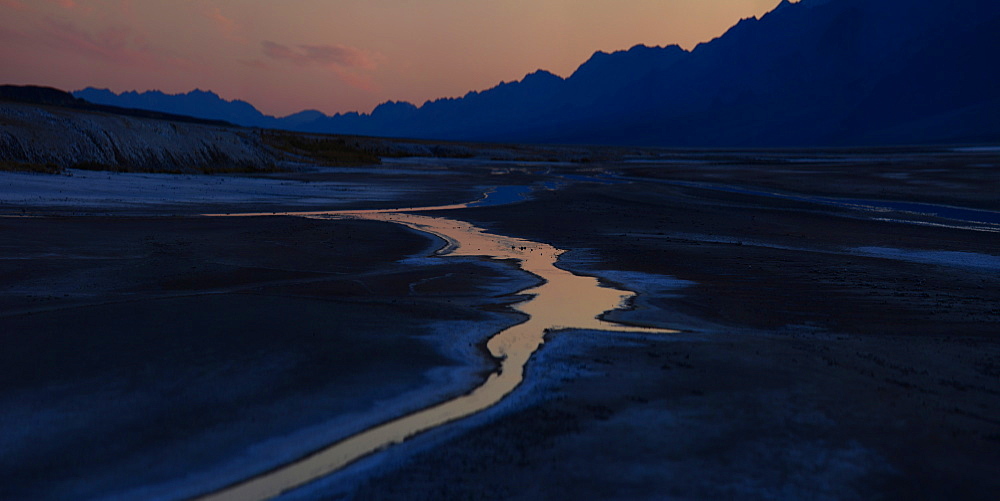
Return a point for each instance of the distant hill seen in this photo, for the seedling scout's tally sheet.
(43, 129)
(38, 95)
(813, 73)
(34, 94)
(48, 130)
(197, 103)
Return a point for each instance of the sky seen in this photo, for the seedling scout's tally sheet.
(334, 55)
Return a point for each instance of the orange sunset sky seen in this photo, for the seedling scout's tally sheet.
(334, 55)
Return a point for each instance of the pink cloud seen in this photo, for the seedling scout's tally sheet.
(346, 62)
(255, 63)
(119, 45)
(226, 25)
(13, 4)
(362, 82)
(115, 43)
(71, 5)
(337, 56)
(127, 8)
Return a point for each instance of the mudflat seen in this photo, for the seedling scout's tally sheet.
(161, 357)
(838, 317)
(828, 351)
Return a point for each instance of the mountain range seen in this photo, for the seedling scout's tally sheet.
(812, 73)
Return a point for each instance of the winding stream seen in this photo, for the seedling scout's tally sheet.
(563, 301)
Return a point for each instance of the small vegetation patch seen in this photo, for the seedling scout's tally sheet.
(193, 169)
(101, 166)
(318, 149)
(237, 169)
(46, 168)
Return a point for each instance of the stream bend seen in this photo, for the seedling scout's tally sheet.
(562, 301)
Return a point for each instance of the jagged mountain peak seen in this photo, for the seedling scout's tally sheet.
(394, 106)
(813, 72)
(196, 103)
(607, 65)
(541, 76)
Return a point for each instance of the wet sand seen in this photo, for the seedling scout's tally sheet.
(810, 366)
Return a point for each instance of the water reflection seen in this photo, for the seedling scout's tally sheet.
(563, 301)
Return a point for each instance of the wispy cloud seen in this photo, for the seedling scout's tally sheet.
(322, 55)
(358, 81)
(255, 63)
(117, 44)
(13, 4)
(225, 25)
(350, 64)
(72, 6)
(66, 4)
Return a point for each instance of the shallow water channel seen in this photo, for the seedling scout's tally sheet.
(562, 301)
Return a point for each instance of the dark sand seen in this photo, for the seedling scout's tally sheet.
(138, 351)
(807, 371)
(809, 367)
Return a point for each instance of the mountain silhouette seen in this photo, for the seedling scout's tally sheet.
(197, 103)
(812, 73)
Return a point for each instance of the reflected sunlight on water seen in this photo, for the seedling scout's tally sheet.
(563, 301)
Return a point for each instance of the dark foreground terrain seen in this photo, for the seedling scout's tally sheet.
(839, 316)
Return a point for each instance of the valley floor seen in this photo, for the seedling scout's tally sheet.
(838, 313)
